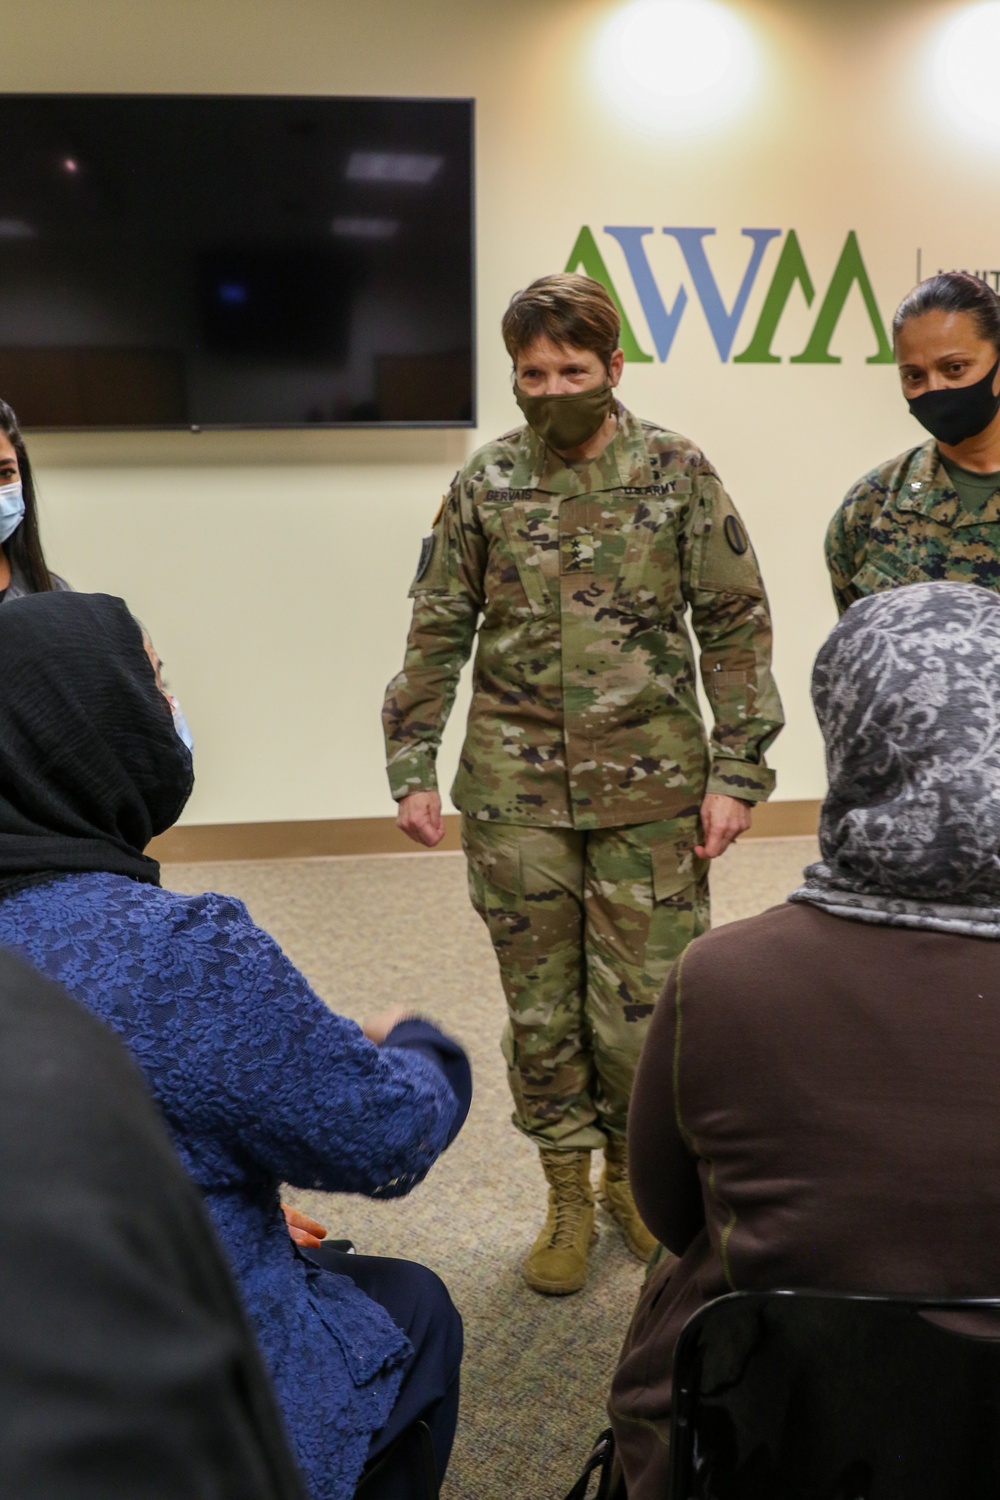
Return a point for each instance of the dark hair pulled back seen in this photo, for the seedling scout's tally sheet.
(24, 548)
(953, 292)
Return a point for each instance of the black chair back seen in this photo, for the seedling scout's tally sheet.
(823, 1396)
(405, 1471)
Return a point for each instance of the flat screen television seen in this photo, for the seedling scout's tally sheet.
(229, 261)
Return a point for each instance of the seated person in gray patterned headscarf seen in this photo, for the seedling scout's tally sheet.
(818, 1099)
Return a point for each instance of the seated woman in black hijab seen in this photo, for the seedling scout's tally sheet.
(259, 1082)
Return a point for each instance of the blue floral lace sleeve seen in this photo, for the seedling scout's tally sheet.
(260, 1084)
(260, 1070)
(301, 1088)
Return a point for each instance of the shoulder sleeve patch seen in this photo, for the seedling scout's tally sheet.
(726, 563)
(735, 535)
(426, 553)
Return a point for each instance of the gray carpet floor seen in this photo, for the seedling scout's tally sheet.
(372, 932)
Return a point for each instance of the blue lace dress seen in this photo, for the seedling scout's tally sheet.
(260, 1084)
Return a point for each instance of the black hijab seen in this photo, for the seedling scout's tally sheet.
(91, 767)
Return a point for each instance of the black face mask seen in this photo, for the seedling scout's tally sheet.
(960, 412)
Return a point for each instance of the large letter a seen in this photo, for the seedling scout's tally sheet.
(791, 268)
(586, 257)
(850, 268)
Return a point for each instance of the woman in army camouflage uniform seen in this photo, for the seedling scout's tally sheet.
(590, 800)
(933, 512)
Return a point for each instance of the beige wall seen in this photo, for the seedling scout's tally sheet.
(272, 569)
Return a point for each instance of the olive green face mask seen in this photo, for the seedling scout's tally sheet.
(564, 422)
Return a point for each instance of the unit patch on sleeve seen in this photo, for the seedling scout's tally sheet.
(735, 535)
(426, 553)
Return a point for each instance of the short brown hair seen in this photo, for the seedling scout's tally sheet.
(572, 310)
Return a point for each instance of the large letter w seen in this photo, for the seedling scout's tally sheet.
(722, 323)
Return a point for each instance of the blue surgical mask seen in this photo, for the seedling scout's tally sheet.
(180, 723)
(11, 508)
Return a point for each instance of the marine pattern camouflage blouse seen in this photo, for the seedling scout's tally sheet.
(904, 523)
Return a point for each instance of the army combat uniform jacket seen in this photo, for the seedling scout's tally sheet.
(584, 711)
(904, 523)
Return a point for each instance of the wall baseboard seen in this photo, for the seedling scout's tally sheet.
(197, 842)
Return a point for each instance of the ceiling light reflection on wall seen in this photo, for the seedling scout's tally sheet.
(965, 67)
(417, 167)
(364, 229)
(676, 67)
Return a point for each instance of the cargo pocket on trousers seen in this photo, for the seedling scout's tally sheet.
(676, 868)
(680, 905)
(508, 1046)
(494, 866)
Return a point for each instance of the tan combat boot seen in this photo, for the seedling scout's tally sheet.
(557, 1263)
(616, 1196)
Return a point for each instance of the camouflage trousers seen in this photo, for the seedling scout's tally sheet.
(586, 926)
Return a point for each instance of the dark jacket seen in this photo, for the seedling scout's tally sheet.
(817, 1105)
(126, 1363)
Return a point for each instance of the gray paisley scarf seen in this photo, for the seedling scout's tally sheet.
(907, 694)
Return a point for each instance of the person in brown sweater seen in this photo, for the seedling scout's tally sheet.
(818, 1099)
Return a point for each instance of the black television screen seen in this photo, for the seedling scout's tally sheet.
(229, 261)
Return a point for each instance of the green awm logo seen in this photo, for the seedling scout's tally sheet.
(791, 271)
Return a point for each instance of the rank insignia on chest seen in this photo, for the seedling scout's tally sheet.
(426, 553)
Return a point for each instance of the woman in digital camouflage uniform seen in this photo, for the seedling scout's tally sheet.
(933, 512)
(591, 800)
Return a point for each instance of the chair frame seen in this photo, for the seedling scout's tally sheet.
(684, 1391)
(415, 1439)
